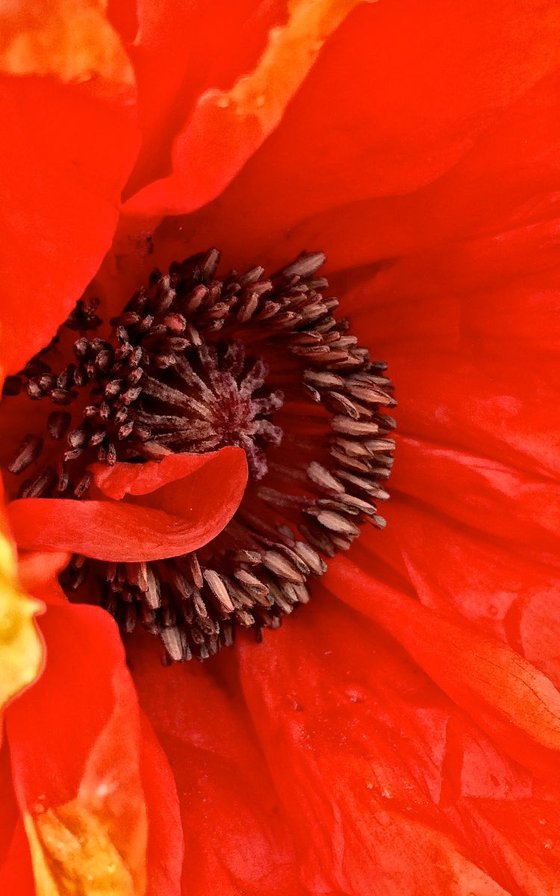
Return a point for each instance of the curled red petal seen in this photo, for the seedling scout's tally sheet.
(143, 479)
(178, 517)
(16, 877)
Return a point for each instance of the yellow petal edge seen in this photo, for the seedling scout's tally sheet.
(96, 843)
(70, 39)
(291, 52)
(21, 650)
(73, 855)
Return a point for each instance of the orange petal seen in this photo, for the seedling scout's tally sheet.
(182, 35)
(228, 126)
(69, 39)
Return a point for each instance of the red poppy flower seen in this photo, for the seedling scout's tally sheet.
(400, 734)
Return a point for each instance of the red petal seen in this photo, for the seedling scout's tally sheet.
(497, 500)
(419, 138)
(36, 570)
(21, 648)
(226, 127)
(180, 51)
(16, 876)
(16, 873)
(178, 517)
(503, 589)
(78, 757)
(225, 786)
(475, 518)
(69, 141)
(165, 841)
(48, 758)
(470, 303)
(506, 695)
(8, 806)
(387, 785)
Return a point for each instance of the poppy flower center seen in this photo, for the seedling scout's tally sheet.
(195, 363)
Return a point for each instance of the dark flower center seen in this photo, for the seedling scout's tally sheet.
(195, 363)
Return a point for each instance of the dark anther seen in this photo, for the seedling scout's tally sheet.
(195, 363)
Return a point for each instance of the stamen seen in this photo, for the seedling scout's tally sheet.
(27, 453)
(194, 363)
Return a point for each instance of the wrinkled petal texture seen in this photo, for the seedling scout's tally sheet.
(172, 510)
(69, 142)
(364, 740)
(365, 776)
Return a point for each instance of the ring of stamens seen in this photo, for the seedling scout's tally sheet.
(194, 363)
